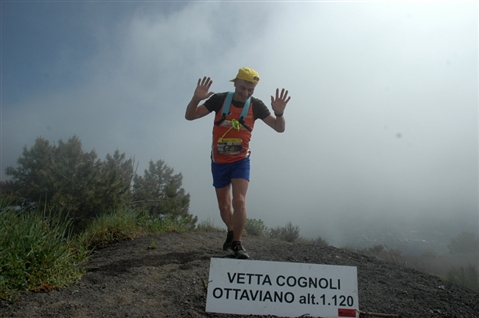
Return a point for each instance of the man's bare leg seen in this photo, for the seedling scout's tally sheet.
(238, 220)
(233, 214)
(224, 204)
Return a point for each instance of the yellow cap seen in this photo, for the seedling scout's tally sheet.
(247, 74)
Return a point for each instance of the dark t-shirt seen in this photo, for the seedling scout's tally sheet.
(215, 102)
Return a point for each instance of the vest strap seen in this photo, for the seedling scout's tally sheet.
(226, 109)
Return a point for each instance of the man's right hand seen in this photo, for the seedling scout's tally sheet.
(202, 90)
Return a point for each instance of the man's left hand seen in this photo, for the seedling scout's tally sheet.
(279, 103)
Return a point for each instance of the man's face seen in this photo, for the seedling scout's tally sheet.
(243, 90)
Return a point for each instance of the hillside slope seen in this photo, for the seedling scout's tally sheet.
(162, 276)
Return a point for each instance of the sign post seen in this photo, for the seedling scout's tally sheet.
(249, 287)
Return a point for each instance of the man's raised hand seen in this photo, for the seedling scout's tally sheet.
(279, 103)
(202, 90)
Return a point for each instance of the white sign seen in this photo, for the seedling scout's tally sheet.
(283, 289)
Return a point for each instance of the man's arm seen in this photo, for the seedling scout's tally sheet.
(278, 104)
(193, 111)
(277, 123)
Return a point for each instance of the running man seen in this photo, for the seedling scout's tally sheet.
(236, 113)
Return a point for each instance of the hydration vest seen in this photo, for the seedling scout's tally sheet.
(232, 132)
(226, 109)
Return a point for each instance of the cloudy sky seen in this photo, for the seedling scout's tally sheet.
(382, 124)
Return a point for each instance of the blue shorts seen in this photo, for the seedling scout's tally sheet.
(224, 172)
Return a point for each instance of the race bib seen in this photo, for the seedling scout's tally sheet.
(229, 146)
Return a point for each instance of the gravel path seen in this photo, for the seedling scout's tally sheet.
(165, 275)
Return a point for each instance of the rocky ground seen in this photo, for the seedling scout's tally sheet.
(166, 275)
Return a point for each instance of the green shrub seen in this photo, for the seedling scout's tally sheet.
(159, 191)
(119, 225)
(393, 255)
(72, 179)
(256, 227)
(207, 226)
(382, 252)
(289, 233)
(127, 224)
(68, 177)
(467, 276)
(168, 224)
(36, 252)
(320, 241)
(317, 241)
(374, 250)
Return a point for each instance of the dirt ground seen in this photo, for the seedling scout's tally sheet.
(165, 275)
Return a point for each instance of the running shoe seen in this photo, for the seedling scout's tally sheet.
(227, 244)
(239, 251)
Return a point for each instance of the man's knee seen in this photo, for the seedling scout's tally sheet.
(239, 203)
(224, 208)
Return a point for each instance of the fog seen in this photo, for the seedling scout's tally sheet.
(381, 132)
